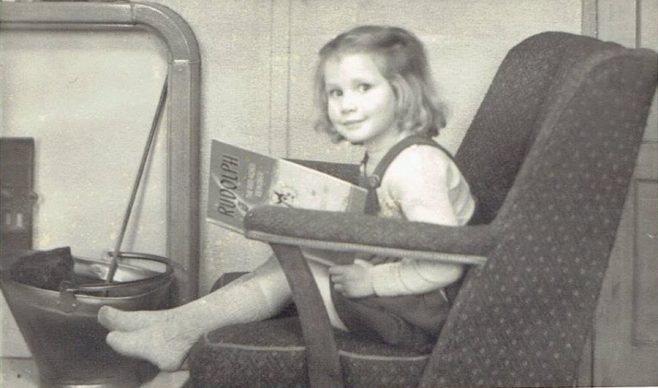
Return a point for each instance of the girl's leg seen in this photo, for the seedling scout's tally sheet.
(164, 337)
(120, 320)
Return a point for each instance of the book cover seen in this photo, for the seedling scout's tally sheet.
(241, 179)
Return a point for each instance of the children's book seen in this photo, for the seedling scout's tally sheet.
(241, 179)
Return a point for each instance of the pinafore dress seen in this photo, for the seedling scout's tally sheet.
(408, 321)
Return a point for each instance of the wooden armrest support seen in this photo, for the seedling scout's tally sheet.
(321, 351)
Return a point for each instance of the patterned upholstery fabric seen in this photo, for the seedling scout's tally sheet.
(368, 230)
(523, 319)
(272, 353)
(549, 155)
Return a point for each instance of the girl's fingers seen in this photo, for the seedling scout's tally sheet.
(336, 278)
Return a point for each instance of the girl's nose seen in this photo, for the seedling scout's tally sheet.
(348, 104)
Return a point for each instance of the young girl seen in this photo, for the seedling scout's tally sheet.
(374, 89)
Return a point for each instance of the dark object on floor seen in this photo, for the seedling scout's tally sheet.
(44, 269)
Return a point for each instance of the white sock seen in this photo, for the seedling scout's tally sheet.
(164, 337)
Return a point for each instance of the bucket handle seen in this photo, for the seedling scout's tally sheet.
(67, 290)
(67, 301)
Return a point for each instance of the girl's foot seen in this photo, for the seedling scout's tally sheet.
(114, 319)
(164, 345)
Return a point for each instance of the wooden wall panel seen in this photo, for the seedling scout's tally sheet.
(626, 328)
(645, 263)
(648, 37)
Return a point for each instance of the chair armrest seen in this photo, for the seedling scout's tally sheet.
(287, 229)
(369, 234)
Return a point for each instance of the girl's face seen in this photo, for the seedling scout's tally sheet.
(360, 101)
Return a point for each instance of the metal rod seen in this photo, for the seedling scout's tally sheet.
(147, 148)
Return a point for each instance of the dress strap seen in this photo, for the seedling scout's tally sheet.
(373, 181)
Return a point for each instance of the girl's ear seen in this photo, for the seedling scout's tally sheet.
(395, 85)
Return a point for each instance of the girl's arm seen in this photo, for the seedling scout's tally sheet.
(420, 184)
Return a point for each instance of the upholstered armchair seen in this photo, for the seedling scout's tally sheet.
(549, 156)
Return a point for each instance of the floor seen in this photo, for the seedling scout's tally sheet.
(22, 373)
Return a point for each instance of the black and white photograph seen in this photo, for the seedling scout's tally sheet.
(328, 193)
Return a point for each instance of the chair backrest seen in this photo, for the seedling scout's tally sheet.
(523, 92)
(549, 154)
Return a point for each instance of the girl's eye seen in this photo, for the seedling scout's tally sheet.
(364, 87)
(333, 93)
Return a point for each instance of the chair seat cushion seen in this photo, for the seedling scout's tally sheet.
(272, 353)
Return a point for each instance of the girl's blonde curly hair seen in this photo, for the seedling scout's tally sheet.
(400, 57)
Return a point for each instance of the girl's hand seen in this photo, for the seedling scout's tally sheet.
(353, 280)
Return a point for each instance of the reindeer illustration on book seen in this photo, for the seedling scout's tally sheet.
(284, 195)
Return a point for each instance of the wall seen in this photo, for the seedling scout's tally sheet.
(88, 99)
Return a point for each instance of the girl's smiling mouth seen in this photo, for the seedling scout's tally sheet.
(353, 123)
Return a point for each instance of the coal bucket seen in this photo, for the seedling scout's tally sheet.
(61, 330)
